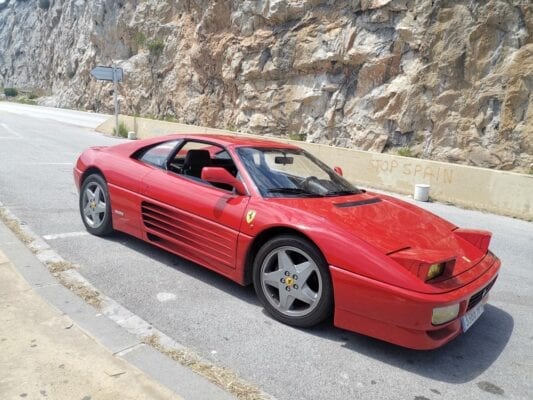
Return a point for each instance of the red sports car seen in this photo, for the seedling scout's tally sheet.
(312, 244)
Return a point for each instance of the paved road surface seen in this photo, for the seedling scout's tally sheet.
(224, 322)
(80, 118)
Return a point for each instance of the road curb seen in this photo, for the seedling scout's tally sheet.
(113, 326)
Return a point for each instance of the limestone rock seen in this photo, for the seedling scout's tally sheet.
(451, 79)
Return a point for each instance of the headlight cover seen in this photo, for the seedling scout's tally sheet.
(441, 315)
(435, 270)
(426, 264)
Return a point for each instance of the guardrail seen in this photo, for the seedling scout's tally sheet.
(500, 192)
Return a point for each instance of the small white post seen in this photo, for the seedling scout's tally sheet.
(421, 192)
(115, 98)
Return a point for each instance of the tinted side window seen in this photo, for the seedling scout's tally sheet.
(158, 154)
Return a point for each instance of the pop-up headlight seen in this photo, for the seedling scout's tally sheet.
(435, 270)
(425, 264)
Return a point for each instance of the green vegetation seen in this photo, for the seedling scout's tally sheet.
(156, 46)
(405, 152)
(24, 97)
(170, 118)
(122, 130)
(11, 92)
(26, 100)
(298, 136)
(140, 39)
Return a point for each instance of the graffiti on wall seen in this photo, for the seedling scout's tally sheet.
(430, 173)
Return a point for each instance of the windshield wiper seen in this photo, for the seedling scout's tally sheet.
(296, 191)
(343, 192)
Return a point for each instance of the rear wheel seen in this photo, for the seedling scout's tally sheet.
(95, 207)
(292, 280)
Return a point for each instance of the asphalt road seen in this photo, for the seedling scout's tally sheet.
(224, 322)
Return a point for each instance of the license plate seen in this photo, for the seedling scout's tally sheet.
(471, 316)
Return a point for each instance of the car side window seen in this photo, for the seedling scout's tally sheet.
(157, 155)
(190, 158)
(193, 156)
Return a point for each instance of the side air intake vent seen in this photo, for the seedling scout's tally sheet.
(187, 234)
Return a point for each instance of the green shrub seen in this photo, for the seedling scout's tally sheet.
(298, 136)
(11, 92)
(169, 118)
(26, 100)
(156, 47)
(405, 152)
(122, 130)
(140, 39)
(32, 96)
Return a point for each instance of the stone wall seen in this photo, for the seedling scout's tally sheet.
(452, 80)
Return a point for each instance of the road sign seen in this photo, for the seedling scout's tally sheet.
(115, 75)
(106, 73)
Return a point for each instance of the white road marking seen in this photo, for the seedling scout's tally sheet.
(55, 236)
(11, 131)
(162, 297)
(49, 163)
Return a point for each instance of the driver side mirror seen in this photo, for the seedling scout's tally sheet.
(338, 170)
(221, 175)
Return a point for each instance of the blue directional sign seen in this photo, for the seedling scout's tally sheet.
(106, 73)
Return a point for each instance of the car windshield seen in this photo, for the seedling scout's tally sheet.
(292, 173)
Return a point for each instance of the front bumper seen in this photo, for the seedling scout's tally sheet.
(402, 316)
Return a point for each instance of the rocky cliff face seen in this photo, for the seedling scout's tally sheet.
(450, 79)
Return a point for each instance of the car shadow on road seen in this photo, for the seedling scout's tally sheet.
(460, 361)
(192, 269)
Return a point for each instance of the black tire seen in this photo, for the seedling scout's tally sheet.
(95, 206)
(276, 267)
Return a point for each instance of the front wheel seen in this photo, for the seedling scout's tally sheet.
(95, 207)
(292, 280)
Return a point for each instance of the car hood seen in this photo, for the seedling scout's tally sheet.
(384, 222)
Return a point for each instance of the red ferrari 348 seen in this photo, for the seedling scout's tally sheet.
(312, 244)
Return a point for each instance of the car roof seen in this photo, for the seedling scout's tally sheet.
(231, 140)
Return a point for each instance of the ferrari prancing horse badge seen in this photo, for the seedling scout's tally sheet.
(250, 216)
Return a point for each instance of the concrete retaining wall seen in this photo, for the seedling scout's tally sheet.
(500, 192)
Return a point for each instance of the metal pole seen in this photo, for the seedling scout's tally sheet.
(115, 99)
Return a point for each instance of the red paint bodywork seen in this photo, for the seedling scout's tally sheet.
(372, 249)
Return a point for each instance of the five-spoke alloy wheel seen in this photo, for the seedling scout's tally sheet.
(292, 281)
(95, 207)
